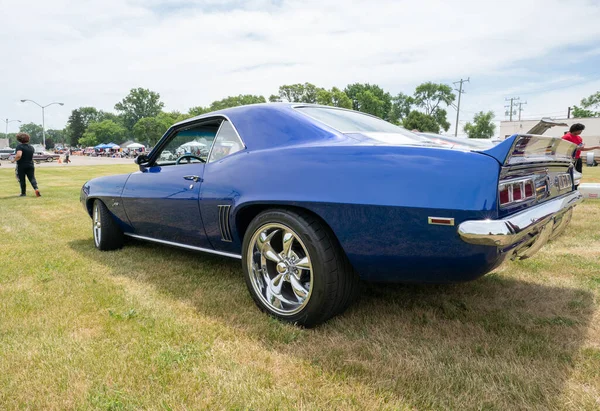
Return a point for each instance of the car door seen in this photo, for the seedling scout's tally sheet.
(219, 190)
(161, 201)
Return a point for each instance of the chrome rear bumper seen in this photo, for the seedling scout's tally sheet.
(526, 232)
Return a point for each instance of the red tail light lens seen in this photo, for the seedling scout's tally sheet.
(504, 195)
(529, 190)
(518, 191)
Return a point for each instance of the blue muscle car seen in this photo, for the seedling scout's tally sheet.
(312, 199)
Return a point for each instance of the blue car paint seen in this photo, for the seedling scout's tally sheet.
(374, 184)
(161, 204)
(108, 189)
(376, 198)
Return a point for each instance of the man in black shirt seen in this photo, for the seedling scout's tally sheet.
(24, 158)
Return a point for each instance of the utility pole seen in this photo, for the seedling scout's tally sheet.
(521, 109)
(512, 100)
(460, 91)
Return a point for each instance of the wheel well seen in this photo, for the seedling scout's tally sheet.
(245, 216)
(89, 203)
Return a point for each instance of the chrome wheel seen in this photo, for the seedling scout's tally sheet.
(97, 225)
(280, 269)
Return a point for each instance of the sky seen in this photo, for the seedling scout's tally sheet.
(192, 52)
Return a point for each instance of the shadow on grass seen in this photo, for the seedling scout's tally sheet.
(492, 343)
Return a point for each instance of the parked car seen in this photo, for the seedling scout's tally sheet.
(5, 153)
(39, 157)
(167, 155)
(312, 199)
(48, 157)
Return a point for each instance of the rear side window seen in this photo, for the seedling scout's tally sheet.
(348, 121)
(227, 142)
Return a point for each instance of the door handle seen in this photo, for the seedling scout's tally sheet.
(193, 178)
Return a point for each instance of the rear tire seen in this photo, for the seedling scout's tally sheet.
(107, 233)
(295, 268)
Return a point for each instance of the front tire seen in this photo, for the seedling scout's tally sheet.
(107, 233)
(295, 268)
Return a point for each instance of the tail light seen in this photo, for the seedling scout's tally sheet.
(516, 191)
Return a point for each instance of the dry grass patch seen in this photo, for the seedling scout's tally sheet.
(152, 327)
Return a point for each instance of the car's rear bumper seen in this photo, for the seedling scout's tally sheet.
(526, 232)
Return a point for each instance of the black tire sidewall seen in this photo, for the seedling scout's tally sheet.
(312, 313)
(111, 237)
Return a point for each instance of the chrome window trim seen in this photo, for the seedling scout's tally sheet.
(189, 123)
(189, 247)
(217, 136)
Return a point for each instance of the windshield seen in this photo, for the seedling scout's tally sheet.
(349, 122)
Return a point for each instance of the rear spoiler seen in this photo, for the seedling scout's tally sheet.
(529, 148)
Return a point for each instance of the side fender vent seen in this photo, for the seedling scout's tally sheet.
(224, 222)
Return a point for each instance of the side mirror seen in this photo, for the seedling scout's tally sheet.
(141, 159)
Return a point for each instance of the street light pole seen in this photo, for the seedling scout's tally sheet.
(8, 121)
(43, 121)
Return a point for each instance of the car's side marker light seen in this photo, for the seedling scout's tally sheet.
(441, 221)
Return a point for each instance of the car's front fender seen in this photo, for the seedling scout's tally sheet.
(108, 189)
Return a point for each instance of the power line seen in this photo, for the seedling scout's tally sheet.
(460, 91)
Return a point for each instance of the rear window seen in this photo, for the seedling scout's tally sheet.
(347, 121)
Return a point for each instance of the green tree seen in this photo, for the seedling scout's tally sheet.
(56, 136)
(334, 97)
(12, 140)
(401, 107)
(227, 102)
(139, 103)
(78, 122)
(150, 129)
(296, 93)
(103, 132)
(377, 101)
(196, 111)
(369, 103)
(440, 117)
(590, 107)
(430, 97)
(234, 101)
(88, 140)
(171, 117)
(417, 120)
(482, 126)
(35, 132)
(107, 115)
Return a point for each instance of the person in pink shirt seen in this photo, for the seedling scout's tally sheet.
(574, 136)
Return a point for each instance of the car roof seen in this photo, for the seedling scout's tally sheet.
(268, 125)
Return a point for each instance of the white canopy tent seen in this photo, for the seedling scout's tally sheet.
(192, 144)
(135, 145)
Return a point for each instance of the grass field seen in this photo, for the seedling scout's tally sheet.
(150, 327)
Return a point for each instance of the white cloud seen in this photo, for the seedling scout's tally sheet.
(194, 52)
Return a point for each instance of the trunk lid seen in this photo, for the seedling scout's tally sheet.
(531, 149)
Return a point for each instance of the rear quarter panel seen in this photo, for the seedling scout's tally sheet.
(376, 199)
